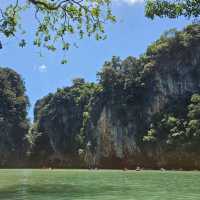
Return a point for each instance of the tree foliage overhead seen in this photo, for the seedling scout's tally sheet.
(56, 20)
(172, 8)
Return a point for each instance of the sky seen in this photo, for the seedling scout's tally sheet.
(130, 36)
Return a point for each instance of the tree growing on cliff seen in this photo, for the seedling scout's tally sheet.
(172, 8)
(13, 115)
(56, 21)
(194, 119)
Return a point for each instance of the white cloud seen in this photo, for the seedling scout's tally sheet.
(42, 68)
(130, 2)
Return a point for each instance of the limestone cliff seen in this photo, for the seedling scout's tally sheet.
(13, 122)
(111, 119)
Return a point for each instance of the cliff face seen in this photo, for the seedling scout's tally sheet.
(59, 119)
(175, 76)
(13, 122)
(109, 121)
(171, 73)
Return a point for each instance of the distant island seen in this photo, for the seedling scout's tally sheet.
(143, 112)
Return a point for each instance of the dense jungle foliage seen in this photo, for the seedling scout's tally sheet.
(177, 125)
(13, 115)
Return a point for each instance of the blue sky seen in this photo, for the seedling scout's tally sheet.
(129, 36)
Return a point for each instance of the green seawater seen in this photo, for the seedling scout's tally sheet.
(98, 185)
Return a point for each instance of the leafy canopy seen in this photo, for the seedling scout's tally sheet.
(56, 21)
(172, 8)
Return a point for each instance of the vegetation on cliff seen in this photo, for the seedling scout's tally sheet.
(177, 126)
(140, 97)
(142, 111)
(13, 112)
(60, 120)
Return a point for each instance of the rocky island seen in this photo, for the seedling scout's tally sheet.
(141, 112)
